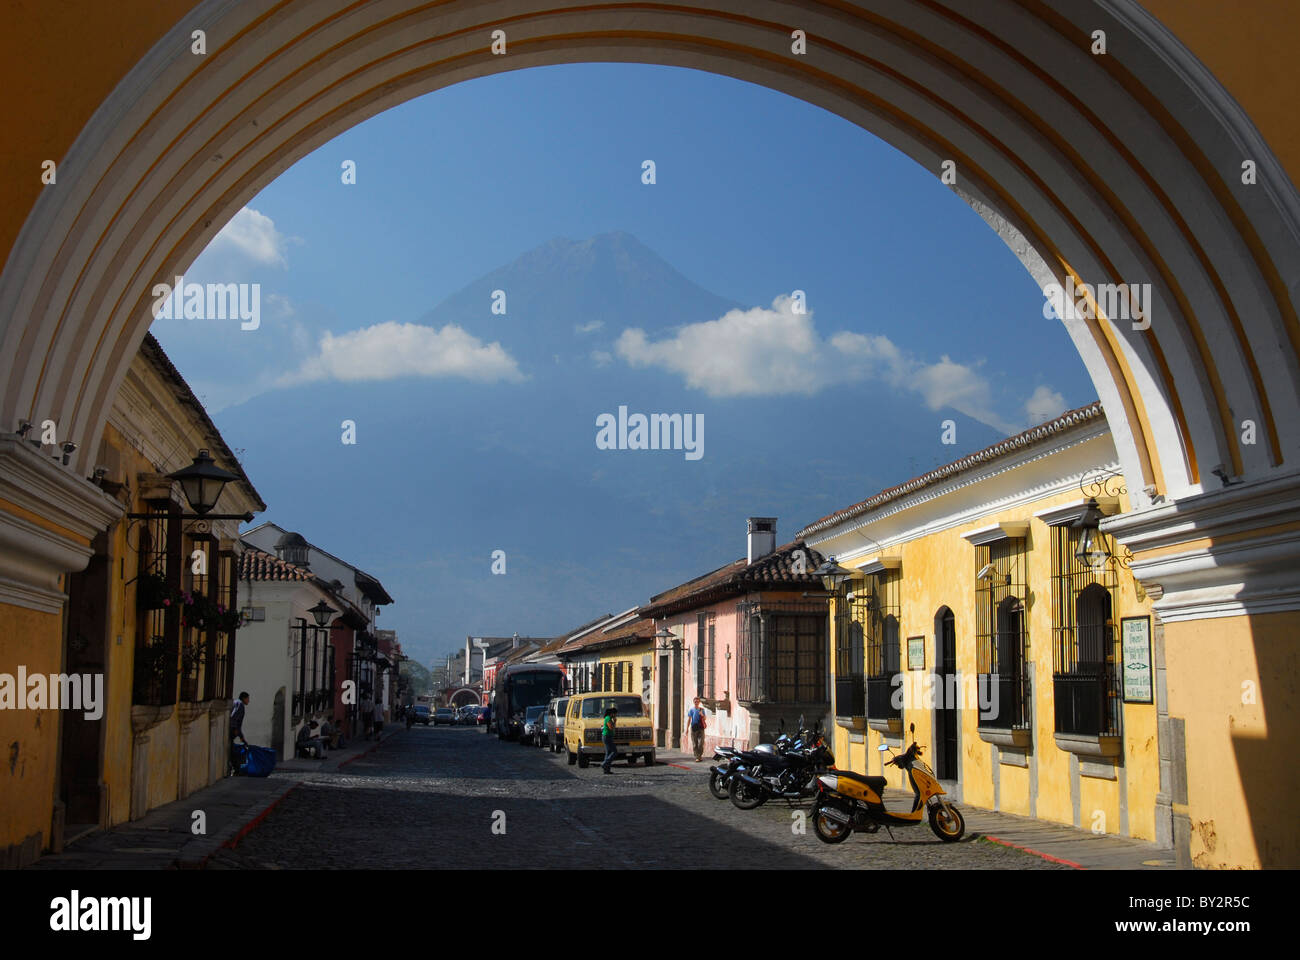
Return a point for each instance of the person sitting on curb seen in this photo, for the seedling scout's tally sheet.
(309, 745)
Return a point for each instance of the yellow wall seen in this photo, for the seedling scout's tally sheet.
(29, 739)
(939, 570)
(1237, 694)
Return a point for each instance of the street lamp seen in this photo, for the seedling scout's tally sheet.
(833, 576)
(321, 613)
(202, 482)
(1091, 552)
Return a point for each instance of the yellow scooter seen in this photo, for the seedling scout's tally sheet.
(848, 801)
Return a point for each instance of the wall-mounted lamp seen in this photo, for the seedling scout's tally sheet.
(833, 576)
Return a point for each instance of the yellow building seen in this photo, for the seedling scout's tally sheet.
(122, 625)
(1033, 676)
(612, 654)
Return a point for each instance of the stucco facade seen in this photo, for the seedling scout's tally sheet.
(925, 546)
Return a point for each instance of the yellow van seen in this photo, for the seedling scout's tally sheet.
(633, 737)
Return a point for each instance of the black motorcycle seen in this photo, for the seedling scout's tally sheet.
(790, 775)
(733, 760)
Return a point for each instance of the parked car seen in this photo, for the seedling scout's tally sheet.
(444, 715)
(419, 713)
(532, 725)
(633, 737)
(467, 716)
(553, 724)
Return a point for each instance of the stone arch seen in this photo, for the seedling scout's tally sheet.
(1011, 94)
(1095, 169)
(464, 697)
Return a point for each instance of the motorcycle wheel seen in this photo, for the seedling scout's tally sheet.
(716, 786)
(744, 796)
(828, 830)
(947, 823)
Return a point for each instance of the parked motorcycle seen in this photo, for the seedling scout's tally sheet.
(733, 760)
(850, 801)
(789, 776)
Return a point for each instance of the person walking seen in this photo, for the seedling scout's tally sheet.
(368, 715)
(379, 718)
(237, 728)
(607, 735)
(696, 721)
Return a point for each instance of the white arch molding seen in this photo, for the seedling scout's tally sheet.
(1122, 168)
(471, 691)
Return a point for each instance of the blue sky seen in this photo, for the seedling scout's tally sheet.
(916, 312)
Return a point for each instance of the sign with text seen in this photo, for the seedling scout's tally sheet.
(1135, 647)
(916, 653)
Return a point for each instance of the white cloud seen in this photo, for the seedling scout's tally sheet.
(253, 236)
(1043, 405)
(743, 353)
(601, 358)
(390, 350)
(764, 352)
(588, 327)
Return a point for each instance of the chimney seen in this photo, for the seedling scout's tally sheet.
(762, 537)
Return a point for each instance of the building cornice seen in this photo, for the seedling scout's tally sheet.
(1007, 530)
(35, 556)
(1222, 553)
(1049, 483)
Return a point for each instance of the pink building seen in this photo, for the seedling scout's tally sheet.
(747, 642)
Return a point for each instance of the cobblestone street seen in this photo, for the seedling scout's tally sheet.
(435, 790)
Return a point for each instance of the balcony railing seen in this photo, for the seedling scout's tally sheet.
(1009, 699)
(880, 699)
(1086, 701)
(851, 696)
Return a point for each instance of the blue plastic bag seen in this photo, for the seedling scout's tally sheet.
(261, 761)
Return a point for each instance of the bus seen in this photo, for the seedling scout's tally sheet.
(518, 687)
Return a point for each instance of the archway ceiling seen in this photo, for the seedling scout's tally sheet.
(1118, 168)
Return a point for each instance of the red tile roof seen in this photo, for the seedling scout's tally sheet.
(1002, 448)
(255, 564)
(640, 630)
(772, 572)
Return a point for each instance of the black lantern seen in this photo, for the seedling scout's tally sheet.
(202, 482)
(833, 575)
(322, 613)
(665, 638)
(1091, 552)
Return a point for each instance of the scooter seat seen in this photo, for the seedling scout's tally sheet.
(877, 784)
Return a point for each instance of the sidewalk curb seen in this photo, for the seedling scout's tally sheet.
(196, 854)
(244, 830)
(1036, 853)
(367, 751)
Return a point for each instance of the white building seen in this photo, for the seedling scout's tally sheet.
(358, 596)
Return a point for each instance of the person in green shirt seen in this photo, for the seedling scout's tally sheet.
(607, 735)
